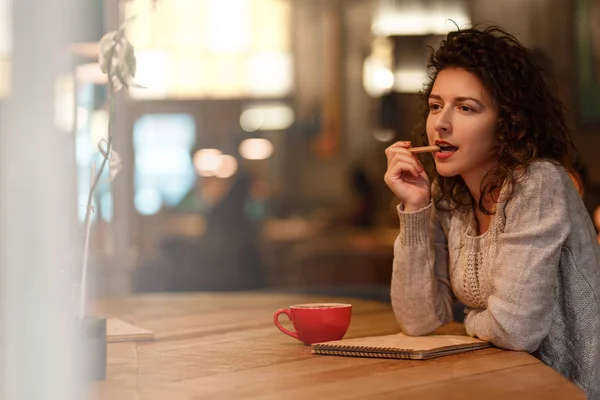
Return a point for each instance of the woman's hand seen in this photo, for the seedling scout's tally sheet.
(406, 177)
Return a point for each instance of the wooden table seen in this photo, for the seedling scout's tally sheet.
(225, 346)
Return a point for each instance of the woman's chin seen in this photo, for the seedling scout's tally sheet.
(446, 172)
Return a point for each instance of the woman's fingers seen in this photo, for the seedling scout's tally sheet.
(400, 163)
(404, 174)
(401, 148)
(407, 157)
(394, 148)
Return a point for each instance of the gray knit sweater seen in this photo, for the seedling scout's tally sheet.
(531, 282)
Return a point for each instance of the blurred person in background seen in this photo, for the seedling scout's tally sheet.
(225, 256)
(364, 209)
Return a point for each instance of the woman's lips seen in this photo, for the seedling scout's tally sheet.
(445, 154)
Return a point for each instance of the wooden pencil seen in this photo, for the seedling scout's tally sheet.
(424, 149)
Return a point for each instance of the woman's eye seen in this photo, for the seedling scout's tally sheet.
(466, 109)
(434, 107)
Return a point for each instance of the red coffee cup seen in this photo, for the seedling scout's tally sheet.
(316, 322)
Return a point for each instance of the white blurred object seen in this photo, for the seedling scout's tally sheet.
(270, 74)
(152, 74)
(98, 128)
(64, 102)
(167, 161)
(409, 80)
(228, 29)
(378, 78)
(5, 46)
(213, 48)
(82, 117)
(384, 135)
(207, 161)
(228, 167)
(162, 145)
(267, 117)
(413, 17)
(147, 201)
(39, 234)
(256, 149)
(5, 27)
(90, 73)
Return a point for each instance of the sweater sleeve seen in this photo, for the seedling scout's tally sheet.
(420, 289)
(526, 264)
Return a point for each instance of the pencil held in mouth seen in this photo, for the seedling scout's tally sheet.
(424, 149)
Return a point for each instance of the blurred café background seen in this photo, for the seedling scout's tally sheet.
(253, 158)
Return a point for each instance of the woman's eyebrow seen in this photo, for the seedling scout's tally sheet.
(458, 99)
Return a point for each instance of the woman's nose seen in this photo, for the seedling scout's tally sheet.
(443, 124)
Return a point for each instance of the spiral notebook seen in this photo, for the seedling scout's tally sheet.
(401, 346)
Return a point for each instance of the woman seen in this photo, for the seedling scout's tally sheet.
(500, 225)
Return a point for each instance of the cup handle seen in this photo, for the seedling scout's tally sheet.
(285, 311)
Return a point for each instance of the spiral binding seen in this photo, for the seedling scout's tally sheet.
(349, 353)
(393, 353)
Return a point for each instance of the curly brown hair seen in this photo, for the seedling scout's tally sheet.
(531, 119)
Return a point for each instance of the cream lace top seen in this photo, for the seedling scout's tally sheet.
(470, 278)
